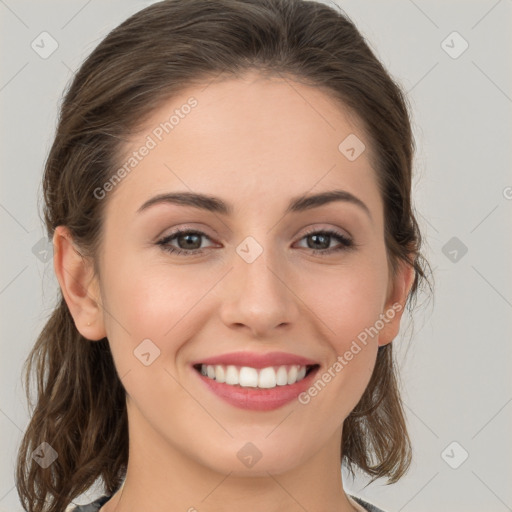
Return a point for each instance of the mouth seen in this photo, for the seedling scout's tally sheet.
(256, 389)
(262, 378)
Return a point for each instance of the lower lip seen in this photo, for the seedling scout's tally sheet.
(258, 399)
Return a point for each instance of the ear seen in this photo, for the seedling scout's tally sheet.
(79, 286)
(398, 292)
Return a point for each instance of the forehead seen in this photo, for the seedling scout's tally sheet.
(245, 137)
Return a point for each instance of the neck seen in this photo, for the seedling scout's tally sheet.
(162, 477)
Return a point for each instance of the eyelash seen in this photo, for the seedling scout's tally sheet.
(346, 243)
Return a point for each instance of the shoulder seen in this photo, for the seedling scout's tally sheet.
(89, 507)
(365, 505)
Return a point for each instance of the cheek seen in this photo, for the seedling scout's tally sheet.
(151, 301)
(347, 301)
(347, 307)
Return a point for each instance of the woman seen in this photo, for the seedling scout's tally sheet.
(229, 197)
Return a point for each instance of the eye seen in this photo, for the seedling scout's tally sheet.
(190, 240)
(322, 238)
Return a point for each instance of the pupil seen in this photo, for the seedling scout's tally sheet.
(187, 238)
(321, 236)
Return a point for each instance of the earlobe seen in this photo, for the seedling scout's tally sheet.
(78, 284)
(395, 304)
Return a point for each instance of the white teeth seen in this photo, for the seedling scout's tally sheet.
(267, 378)
(220, 374)
(246, 376)
(282, 376)
(292, 375)
(232, 375)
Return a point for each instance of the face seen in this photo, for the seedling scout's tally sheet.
(251, 278)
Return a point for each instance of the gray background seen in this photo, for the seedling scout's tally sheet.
(456, 369)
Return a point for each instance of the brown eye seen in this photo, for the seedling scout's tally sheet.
(189, 242)
(319, 241)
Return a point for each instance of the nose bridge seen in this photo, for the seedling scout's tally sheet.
(257, 295)
(256, 266)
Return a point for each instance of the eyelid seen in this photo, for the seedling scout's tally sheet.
(315, 229)
(185, 230)
(202, 230)
(185, 227)
(345, 243)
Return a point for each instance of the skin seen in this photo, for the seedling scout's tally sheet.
(184, 439)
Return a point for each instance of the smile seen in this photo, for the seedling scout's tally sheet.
(246, 376)
(262, 389)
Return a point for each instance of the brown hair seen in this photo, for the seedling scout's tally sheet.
(80, 409)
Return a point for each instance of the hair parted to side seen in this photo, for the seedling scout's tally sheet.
(80, 408)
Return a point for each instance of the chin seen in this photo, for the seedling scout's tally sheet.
(255, 459)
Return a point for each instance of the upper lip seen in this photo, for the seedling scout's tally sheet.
(256, 360)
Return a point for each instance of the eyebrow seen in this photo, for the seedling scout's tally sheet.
(217, 205)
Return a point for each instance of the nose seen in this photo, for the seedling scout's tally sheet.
(258, 296)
